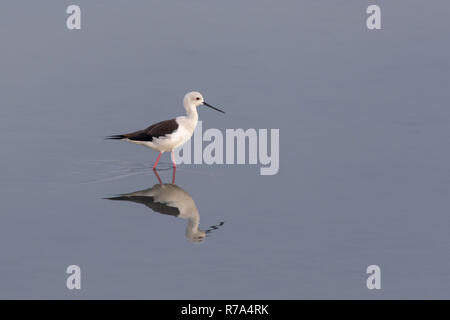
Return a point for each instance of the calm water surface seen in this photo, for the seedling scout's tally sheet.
(364, 149)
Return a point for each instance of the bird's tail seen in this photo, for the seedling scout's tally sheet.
(116, 137)
(117, 198)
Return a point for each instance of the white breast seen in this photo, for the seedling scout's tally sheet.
(179, 137)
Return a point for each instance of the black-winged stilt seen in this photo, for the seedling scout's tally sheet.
(170, 199)
(167, 135)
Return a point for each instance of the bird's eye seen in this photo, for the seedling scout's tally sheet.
(197, 98)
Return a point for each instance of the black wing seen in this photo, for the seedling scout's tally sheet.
(150, 202)
(154, 131)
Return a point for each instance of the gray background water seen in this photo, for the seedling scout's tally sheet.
(365, 160)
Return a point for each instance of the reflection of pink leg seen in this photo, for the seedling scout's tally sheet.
(157, 176)
(173, 160)
(157, 160)
(173, 174)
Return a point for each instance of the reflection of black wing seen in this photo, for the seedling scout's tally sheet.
(150, 202)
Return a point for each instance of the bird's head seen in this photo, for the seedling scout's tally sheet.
(195, 99)
(196, 237)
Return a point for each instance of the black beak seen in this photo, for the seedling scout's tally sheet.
(208, 105)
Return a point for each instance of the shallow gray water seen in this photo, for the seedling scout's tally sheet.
(364, 125)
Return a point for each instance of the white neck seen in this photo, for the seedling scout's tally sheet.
(191, 111)
(192, 225)
(192, 229)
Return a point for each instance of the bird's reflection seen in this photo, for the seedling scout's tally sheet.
(170, 199)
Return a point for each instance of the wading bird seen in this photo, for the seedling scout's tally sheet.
(167, 135)
(170, 199)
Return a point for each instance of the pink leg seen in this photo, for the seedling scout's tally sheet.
(157, 160)
(173, 160)
(173, 174)
(157, 176)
